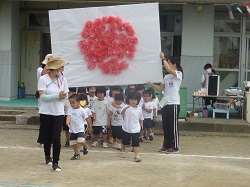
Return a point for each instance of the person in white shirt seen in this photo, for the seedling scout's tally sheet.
(75, 121)
(155, 102)
(147, 110)
(171, 109)
(133, 122)
(53, 88)
(116, 120)
(100, 110)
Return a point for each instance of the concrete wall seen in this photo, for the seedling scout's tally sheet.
(9, 49)
(197, 45)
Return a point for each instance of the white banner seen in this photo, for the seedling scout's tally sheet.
(141, 51)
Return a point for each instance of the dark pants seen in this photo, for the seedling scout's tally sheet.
(51, 131)
(170, 115)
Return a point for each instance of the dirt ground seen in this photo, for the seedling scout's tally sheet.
(204, 160)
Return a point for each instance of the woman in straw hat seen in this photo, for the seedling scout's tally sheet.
(53, 88)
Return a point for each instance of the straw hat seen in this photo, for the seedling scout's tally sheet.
(45, 61)
(56, 63)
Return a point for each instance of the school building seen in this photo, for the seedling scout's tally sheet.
(199, 31)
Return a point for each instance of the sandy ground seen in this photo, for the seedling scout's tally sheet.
(202, 161)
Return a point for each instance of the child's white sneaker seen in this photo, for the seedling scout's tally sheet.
(123, 154)
(115, 145)
(105, 145)
(137, 158)
(94, 144)
(119, 146)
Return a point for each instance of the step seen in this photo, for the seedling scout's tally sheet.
(4, 123)
(12, 112)
(7, 117)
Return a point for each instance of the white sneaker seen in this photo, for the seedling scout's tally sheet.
(123, 154)
(105, 145)
(137, 158)
(95, 143)
(119, 146)
(115, 145)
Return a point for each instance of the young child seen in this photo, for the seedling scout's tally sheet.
(140, 89)
(88, 114)
(155, 102)
(75, 121)
(113, 91)
(66, 108)
(116, 120)
(100, 110)
(147, 110)
(133, 122)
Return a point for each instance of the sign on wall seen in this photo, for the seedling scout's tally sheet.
(113, 45)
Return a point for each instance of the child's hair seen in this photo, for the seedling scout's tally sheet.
(133, 95)
(81, 90)
(140, 87)
(83, 97)
(75, 96)
(119, 97)
(88, 88)
(127, 91)
(72, 89)
(176, 60)
(116, 88)
(43, 65)
(147, 92)
(101, 89)
(134, 85)
(152, 92)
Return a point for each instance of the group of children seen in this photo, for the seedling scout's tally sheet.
(125, 117)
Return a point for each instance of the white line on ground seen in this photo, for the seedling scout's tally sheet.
(116, 152)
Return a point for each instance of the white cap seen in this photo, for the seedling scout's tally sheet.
(46, 58)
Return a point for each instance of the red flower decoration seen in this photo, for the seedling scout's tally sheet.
(107, 43)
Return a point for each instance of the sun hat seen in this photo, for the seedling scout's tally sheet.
(45, 61)
(56, 63)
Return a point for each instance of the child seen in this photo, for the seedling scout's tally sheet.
(140, 89)
(81, 90)
(100, 110)
(133, 121)
(75, 121)
(91, 97)
(66, 108)
(113, 91)
(116, 120)
(147, 110)
(155, 102)
(88, 113)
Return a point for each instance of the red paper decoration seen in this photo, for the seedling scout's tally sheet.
(107, 42)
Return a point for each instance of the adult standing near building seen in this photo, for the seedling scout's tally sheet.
(53, 88)
(170, 102)
(42, 70)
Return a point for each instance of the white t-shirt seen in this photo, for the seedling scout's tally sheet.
(172, 87)
(117, 118)
(109, 99)
(77, 118)
(131, 123)
(55, 107)
(88, 113)
(101, 109)
(154, 104)
(148, 105)
(39, 72)
(91, 101)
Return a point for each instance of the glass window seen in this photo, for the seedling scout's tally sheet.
(38, 20)
(226, 52)
(228, 79)
(171, 45)
(229, 26)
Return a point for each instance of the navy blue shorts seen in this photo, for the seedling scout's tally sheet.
(100, 129)
(126, 137)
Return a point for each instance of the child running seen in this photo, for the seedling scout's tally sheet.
(133, 121)
(116, 120)
(75, 121)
